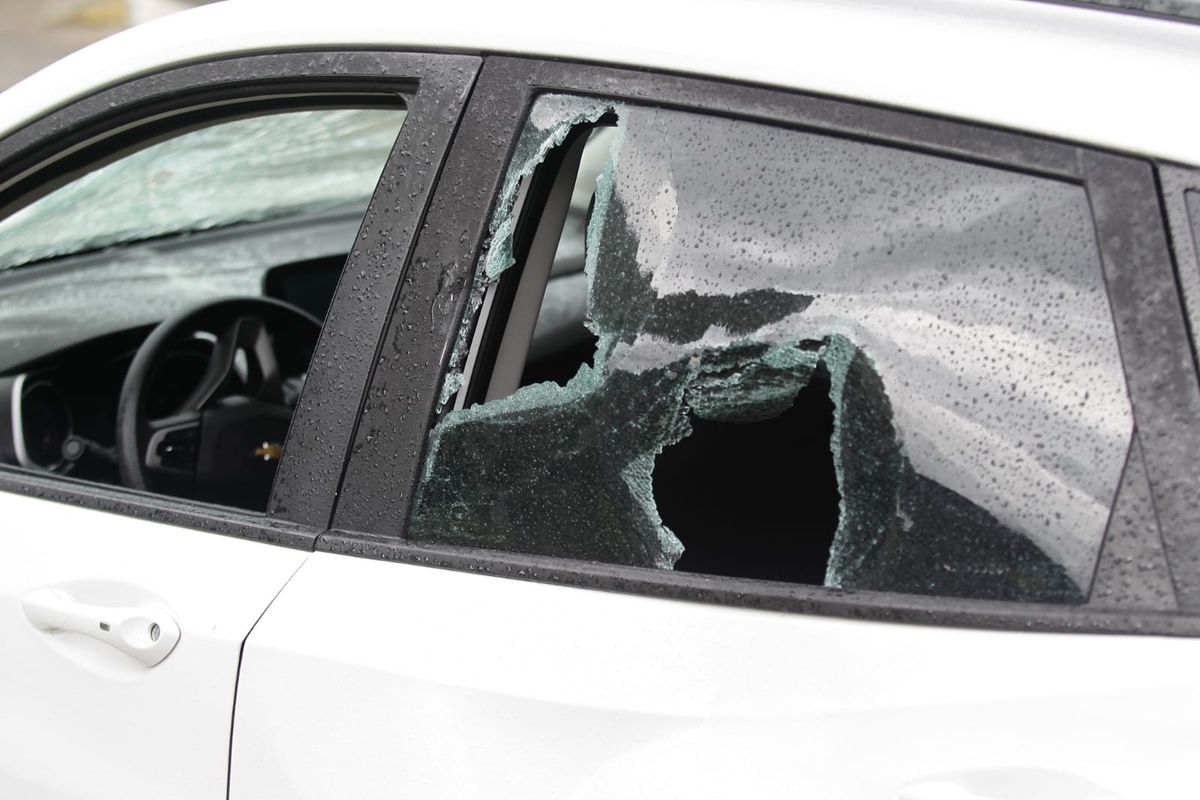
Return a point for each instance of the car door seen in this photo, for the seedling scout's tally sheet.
(123, 613)
(985, 324)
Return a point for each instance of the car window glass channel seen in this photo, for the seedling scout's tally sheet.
(516, 300)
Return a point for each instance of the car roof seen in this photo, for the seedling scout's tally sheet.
(1120, 81)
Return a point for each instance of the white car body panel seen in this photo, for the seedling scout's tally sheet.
(1108, 79)
(80, 719)
(369, 679)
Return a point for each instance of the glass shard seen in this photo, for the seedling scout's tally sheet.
(552, 118)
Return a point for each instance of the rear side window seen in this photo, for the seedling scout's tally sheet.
(794, 357)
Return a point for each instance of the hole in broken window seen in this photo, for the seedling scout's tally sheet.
(802, 359)
(770, 483)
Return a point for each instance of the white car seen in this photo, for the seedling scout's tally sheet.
(480, 400)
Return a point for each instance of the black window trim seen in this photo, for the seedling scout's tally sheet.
(389, 448)
(432, 87)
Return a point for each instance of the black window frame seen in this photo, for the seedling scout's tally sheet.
(432, 88)
(389, 447)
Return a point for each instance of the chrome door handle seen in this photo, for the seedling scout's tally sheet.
(147, 632)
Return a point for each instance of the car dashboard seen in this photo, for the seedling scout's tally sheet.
(60, 415)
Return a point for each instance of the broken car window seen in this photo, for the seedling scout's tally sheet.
(931, 340)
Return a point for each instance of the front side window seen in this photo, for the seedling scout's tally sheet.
(810, 359)
(237, 233)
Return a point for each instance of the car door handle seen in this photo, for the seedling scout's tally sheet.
(146, 632)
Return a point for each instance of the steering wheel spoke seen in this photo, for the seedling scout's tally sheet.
(257, 370)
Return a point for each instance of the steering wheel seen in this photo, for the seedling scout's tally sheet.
(222, 443)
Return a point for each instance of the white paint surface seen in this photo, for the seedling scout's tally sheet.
(369, 679)
(81, 719)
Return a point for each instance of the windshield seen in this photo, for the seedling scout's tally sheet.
(241, 171)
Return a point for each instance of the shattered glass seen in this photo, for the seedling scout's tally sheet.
(552, 118)
(242, 171)
(981, 418)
